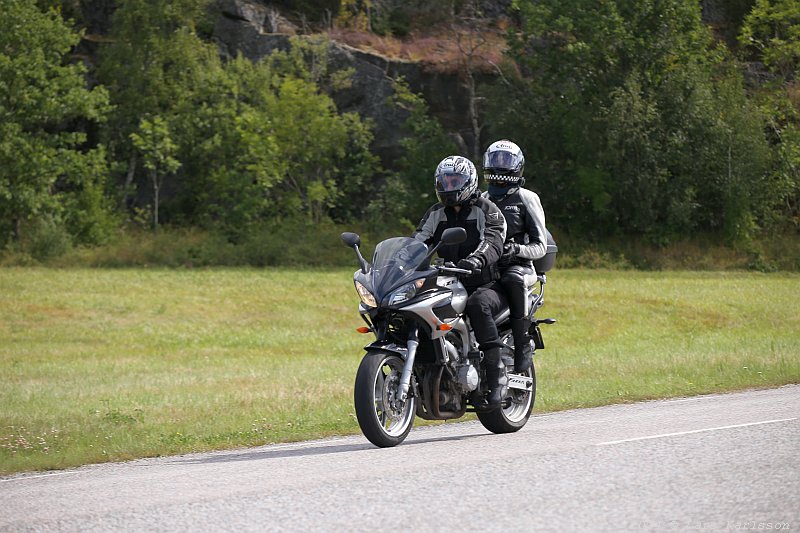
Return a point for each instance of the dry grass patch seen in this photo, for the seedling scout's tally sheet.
(440, 52)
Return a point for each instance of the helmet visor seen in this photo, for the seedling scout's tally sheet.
(501, 159)
(451, 182)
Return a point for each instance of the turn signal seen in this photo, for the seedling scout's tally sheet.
(363, 329)
(444, 327)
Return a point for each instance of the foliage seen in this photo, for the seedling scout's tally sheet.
(771, 35)
(45, 106)
(149, 65)
(772, 32)
(426, 144)
(47, 238)
(155, 144)
(319, 12)
(252, 141)
(354, 14)
(634, 122)
(640, 126)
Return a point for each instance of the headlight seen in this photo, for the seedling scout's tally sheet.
(365, 295)
(406, 292)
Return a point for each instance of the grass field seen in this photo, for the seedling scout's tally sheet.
(99, 365)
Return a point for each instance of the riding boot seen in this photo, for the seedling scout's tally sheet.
(523, 353)
(495, 374)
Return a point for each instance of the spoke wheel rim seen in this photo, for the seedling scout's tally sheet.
(520, 402)
(386, 381)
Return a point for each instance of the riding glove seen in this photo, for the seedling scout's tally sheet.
(510, 251)
(469, 263)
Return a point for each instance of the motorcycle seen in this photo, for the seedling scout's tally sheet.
(425, 360)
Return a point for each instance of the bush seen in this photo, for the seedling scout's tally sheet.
(47, 239)
(288, 243)
(170, 248)
(305, 244)
(301, 244)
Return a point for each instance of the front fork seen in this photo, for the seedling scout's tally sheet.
(408, 367)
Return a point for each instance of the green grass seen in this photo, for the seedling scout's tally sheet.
(100, 365)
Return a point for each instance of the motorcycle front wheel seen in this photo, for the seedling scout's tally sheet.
(515, 416)
(382, 420)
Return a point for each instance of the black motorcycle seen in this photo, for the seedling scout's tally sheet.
(425, 361)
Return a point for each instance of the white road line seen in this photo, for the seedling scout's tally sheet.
(694, 431)
(695, 399)
(25, 478)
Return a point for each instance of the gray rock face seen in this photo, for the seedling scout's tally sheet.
(239, 28)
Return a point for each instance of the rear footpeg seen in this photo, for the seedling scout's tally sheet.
(536, 333)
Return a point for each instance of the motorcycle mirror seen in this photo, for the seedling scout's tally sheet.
(449, 236)
(354, 241)
(351, 239)
(454, 236)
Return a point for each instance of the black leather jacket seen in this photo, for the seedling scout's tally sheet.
(486, 232)
(525, 224)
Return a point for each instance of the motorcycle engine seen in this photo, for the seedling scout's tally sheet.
(451, 351)
(466, 376)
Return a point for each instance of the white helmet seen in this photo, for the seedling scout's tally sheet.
(503, 164)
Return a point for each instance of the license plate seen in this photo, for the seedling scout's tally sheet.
(517, 381)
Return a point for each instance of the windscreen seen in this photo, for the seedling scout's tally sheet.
(395, 261)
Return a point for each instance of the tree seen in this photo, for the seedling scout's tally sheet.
(470, 28)
(355, 14)
(44, 105)
(771, 32)
(618, 102)
(155, 144)
(148, 66)
(771, 35)
(327, 154)
(238, 129)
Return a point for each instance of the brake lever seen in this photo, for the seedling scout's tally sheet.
(454, 270)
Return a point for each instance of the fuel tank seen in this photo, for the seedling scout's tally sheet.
(458, 301)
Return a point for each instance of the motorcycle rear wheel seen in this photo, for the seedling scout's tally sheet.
(377, 383)
(516, 415)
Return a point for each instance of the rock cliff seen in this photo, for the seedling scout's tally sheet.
(243, 27)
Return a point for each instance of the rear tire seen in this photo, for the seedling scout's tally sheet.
(515, 416)
(377, 382)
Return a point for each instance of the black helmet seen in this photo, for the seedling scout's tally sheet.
(456, 180)
(503, 164)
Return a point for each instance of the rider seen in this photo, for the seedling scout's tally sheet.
(461, 205)
(526, 238)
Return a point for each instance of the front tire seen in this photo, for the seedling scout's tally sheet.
(515, 416)
(383, 422)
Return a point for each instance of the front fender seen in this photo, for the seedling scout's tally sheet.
(402, 351)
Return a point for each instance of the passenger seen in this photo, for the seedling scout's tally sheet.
(526, 237)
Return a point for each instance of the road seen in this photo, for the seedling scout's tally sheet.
(718, 462)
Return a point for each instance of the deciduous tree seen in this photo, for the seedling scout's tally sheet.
(44, 104)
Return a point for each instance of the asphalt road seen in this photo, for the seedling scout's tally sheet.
(719, 462)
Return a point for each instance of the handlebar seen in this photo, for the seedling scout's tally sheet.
(453, 270)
